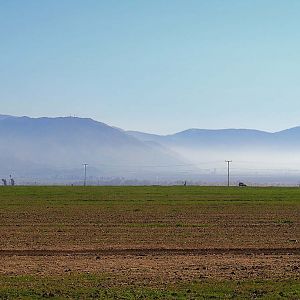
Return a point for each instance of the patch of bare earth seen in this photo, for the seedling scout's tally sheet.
(155, 269)
(151, 227)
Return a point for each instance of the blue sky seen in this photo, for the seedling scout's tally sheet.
(156, 66)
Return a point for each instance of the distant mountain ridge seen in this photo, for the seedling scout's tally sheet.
(59, 145)
(249, 149)
(67, 142)
(209, 137)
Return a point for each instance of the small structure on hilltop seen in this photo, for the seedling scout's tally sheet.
(242, 184)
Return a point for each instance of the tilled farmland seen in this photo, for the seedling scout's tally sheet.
(154, 240)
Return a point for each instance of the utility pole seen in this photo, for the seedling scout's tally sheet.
(85, 165)
(228, 171)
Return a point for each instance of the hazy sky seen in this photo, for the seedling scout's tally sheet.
(157, 66)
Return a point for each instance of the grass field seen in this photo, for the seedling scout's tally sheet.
(149, 242)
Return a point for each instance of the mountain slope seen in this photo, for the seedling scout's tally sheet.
(225, 138)
(256, 149)
(65, 143)
(51, 146)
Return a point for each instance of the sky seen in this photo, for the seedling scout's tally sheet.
(155, 66)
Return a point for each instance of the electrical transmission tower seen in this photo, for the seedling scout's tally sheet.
(85, 165)
(228, 171)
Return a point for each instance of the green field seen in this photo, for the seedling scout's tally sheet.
(158, 195)
(93, 287)
(61, 219)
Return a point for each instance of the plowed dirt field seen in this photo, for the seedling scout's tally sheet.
(150, 236)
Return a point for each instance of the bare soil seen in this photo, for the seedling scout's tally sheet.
(154, 242)
(152, 269)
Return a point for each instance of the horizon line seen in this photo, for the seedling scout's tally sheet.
(147, 132)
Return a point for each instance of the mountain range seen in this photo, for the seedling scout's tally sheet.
(51, 147)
